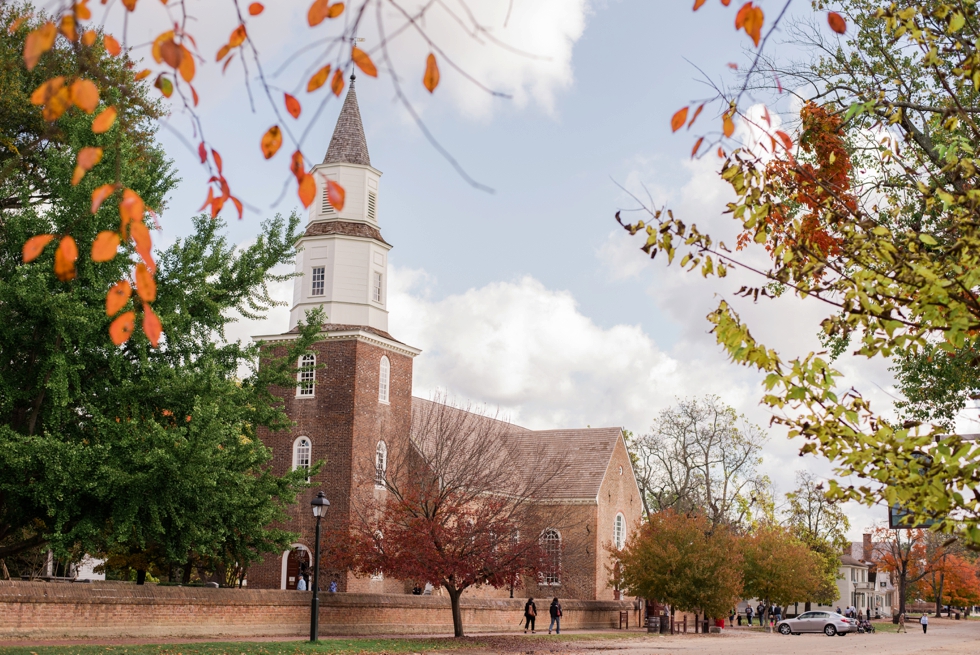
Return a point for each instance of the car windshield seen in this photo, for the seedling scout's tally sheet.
(808, 615)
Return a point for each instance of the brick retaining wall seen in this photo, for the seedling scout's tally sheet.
(51, 610)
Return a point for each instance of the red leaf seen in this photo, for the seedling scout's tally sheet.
(131, 209)
(784, 138)
(141, 236)
(217, 159)
(837, 22)
(292, 106)
(698, 3)
(255, 8)
(296, 166)
(202, 152)
(318, 12)
(336, 195)
(111, 45)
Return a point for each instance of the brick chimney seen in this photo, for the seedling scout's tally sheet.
(868, 549)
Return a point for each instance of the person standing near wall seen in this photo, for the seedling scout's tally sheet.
(530, 611)
(555, 612)
(924, 622)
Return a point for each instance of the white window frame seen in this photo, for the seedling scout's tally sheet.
(380, 464)
(377, 292)
(306, 376)
(384, 380)
(297, 455)
(619, 531)
(318, 275)
(550, 541)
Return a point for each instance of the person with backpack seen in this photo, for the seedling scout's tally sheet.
(555, 611)
(530, 611)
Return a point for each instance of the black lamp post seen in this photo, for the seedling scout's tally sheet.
(320, 506)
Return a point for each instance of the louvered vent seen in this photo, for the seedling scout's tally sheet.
(326, 208)
(372, 205)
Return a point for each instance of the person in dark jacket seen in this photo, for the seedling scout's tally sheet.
(555, 611)
(748, 614)
(530, 611)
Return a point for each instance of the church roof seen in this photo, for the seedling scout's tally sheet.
(348, 144)
(346, 228)
(585, 452)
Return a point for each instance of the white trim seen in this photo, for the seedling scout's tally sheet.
(380, 453)
(285, 556)
(542, 582)
(619, 521)
(344, 335)
(295, 448)
(300, 388)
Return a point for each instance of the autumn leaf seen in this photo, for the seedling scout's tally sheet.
(292, 106)
(217, 160)
(165, 85)
(202, 152)
(100, 194)
(837, 22)
(431, 77)
(111, 45)
(57, 104)
(64, 259)
(697, 146)
(105, 246)
(88, 157)
(697, 112)
(131, 209)
(122, 328)
(363, 61)
(336, 195)
(37, 43)
(82, 12)
(337, 83)
(750, 18)
(151, 325)
(129, 4)
(143, 74)
(318, 12)
(319, 79)
(237, 37)
(224, 50)
(296, 166)
(307, 190)
(35, 245)
(85, 95)
(784, 138)
(727, 125)
(104, 120)
(146, 286)
(117, 297)
(89, 38)
(678, 119)
(43, 93)
(67, 27)
(156, 50)
(186, 67)
(336, 9)
(141, 237)
(271, 141)
(255, 8)
(698, 3)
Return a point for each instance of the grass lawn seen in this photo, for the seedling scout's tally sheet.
(324, 647)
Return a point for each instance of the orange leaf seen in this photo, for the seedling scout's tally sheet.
(89, 38)
(157, 49)
(186, 67)
(255, 8)
(143, 74)
(122, 328)
(146, 286)
(37, 43)
(224, 50)
(318, 11)
(104, 120)
(765, 115)
(85, 95)
(67, 27)
(88, 157)
(105, 246)
(64, 259)
(750, 18)
(217, 159)
(336, 195)
(697, 112)
(141, 236)
(697, 145)
(319, 79)
(238, 206)
(117, 297)
(151, 325)
(307, 190)
(34, 246)
(740, 16)
(57, 104)
(111, 45)
(202, 152)
(237, 36)
(431, 77)
(337, 83)
(727, 125)
(784, 138)
(171, 53)
(43, 93)
(100, 194)
(726, 2)
(336, 9)
(296, 166)
(292, 106)
(129, 4)
(362, 61)
(82, 11)
(678, 119)
(698, 3)
(837, 22)
(271, 141)
(131, 209)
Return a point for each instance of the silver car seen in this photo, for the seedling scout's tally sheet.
(829, 623)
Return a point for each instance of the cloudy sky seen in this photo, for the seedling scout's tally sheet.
(530, 298)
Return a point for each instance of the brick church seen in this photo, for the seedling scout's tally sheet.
(357, 404)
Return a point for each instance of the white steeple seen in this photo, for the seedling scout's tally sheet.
(343, 260)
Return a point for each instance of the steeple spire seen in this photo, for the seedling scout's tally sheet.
(348, 145)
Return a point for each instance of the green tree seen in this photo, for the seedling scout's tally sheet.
(129, 449)
(822, 525)
(683, 561)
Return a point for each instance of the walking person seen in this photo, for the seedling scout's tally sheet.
(901, 624)
(731, 618)
(555, 611)
(924, 622)
(748, 614)
(530, 611)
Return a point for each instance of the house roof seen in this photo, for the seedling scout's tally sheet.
(348, 144)
(585, 452)
(847, 560)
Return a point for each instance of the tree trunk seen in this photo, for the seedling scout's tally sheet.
(901, 592)
(185, 577)
(806, 606)
(939, 596)
(140, 576)
(454, 595)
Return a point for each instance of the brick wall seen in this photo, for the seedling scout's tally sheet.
(48, 610)
(619, 494)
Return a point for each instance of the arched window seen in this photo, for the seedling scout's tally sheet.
(306, 377)
(384, 379)
(380, 464)
(302, 453)
(550, 542)
(619, 531)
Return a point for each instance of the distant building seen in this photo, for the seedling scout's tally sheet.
(357, 406)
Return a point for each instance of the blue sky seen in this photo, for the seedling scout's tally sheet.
(530, 299)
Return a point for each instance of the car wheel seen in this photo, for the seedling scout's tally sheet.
(784, 629)
(829, 630)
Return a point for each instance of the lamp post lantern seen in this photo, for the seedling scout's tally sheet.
(320, 505)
